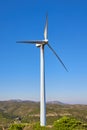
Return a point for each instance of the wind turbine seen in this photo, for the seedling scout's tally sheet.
(41, 44)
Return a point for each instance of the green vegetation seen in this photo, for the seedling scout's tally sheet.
(67, 123)
(17, 113)
(64, 123)
(16, 127)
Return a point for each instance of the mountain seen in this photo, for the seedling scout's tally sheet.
(29, 111)
(55, 102)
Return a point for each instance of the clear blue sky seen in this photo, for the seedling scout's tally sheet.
(19, 63)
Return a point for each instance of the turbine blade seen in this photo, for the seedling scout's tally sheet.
(31, 42)
(46, 29)
(57, 57)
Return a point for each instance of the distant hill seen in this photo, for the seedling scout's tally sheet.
(55, 102)
(48, 102)
(29, 111)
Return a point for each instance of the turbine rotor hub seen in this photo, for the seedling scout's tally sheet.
(44, 42)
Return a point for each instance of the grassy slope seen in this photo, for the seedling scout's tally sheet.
(29, 112)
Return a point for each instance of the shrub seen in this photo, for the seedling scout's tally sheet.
(16, 127)
(67, 123)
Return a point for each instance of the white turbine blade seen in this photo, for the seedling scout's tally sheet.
(31, 42)
(46, 29)
(58, 57)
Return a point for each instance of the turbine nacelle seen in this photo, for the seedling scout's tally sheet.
(43, 42)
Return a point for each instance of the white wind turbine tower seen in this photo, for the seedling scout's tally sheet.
(41, 44)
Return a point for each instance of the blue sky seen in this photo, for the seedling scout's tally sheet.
(20, 63)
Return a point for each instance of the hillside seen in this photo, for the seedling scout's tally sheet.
(28, 112)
